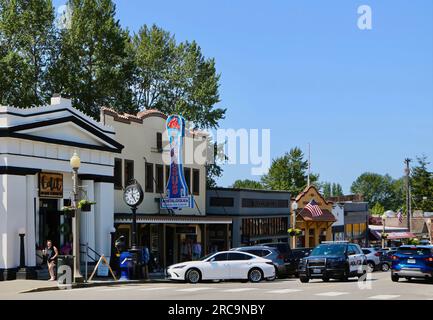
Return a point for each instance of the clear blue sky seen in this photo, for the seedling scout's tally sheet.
(363, 99)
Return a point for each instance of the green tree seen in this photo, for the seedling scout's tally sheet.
(327, 190)
(377, 209)
(175, 78)
(422, 185)
(377, 188)
(288, 172)
(337, 190)
(95, 62)
(247, 184)
(27, 40)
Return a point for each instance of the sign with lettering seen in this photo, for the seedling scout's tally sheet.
(50, 185)
(178, 196)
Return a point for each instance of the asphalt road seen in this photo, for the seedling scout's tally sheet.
(378, 287)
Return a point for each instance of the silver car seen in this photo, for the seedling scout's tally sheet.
(373, 258)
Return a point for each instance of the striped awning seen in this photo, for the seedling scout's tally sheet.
(160, 219)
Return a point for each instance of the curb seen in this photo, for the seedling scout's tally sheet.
(95, 284)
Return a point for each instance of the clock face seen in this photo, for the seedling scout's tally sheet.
(132, 195)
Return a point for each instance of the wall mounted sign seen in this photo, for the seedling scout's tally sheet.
(178, 196)
(50, 185)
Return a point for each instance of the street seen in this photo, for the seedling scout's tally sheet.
(378, 287)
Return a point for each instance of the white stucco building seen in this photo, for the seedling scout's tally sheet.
(36, 181)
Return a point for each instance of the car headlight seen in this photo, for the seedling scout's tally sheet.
(179, 266)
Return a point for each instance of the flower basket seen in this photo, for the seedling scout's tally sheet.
(85, 205)
(294, 232)
(68, 211)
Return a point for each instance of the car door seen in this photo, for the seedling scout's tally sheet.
(356, 258)
(216, 267)
(239, 264)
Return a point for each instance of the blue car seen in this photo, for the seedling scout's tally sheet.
(412, 262)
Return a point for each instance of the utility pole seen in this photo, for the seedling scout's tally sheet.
(408, 195)
(309, 166)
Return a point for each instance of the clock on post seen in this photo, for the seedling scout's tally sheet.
(133, 196)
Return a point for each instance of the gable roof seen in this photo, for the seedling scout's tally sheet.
(307, 189)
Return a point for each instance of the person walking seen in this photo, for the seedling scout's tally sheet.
(51, 253)
(146, 258)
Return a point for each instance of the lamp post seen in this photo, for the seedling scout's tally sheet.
(294, 208)
(24, 272)
(75, 163)
(383, 230)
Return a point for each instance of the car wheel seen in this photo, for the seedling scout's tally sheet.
(370, 266)
(255, 275)
(193, 276)
(385, 267)
(325, 279)
(409, 279)
(304, 279)
(394, 278)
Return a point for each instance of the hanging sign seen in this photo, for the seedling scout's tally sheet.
(50, 185)
(177, 190)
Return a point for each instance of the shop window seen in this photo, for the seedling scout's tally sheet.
(149, 177)
(129, 171)
(349, 229)
(196, 182)
(118, 174)
(187, 174)
(167, 174)
(159, 178)
(221, 202)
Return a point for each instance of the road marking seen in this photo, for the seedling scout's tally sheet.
(331, 294)
(154, 288)
(116, 289)
(384, 297)
(239, 290)
(193, 289)
(284, 291)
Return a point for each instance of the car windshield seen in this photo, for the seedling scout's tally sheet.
(329, 250)
(414, 251)
(207, 256)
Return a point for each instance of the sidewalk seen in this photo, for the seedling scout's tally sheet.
(8, 288)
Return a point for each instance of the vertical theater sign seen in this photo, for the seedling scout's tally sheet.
(178, 196)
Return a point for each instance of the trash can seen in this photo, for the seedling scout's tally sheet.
(126, 266)
(65, 269)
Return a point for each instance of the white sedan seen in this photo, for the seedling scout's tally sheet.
(225, 265)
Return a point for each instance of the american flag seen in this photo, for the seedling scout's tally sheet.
(400, 215)
(314, 208)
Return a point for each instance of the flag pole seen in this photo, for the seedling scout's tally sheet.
(309, 165)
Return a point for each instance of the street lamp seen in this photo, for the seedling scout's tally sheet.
(75, 163)
(294, 208)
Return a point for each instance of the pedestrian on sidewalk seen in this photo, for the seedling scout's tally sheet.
(146, 258)
(51, 253)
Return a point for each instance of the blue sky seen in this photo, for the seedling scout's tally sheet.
(363, 99)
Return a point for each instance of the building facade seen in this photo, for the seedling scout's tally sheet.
(175, 235)
(36, 145)
(259, 216)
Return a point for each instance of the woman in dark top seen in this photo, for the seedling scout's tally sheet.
(51, 254)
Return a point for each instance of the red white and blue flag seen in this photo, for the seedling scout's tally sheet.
(314, 208)
(400, 215)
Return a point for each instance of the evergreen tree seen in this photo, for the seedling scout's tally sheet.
(422, 185)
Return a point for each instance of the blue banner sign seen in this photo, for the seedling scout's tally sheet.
(178, 196)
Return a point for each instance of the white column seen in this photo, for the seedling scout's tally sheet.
(104, 216)
(13, 208)
(87, 229)
(30, 243)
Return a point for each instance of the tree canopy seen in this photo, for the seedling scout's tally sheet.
(247, 184)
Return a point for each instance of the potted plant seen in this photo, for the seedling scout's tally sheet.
(294, 232)
(384, 236)
(85, 205)
(68, 210)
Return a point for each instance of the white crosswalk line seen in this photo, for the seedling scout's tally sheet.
(154, 288)
(332, 294)
(193, 289)
(284, 291)
(239, 290)
(384, 297)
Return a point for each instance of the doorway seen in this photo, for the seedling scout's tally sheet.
(49, 221)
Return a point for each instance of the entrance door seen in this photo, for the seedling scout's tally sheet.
(169, 243)
(50, 221)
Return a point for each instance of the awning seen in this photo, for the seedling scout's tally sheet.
(400, 235)
(160, 219)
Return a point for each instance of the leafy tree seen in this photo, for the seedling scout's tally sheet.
(27, 39)
(422, 185)
(331, 189)
(288, 172)
(247, 184)
(327, 190)
(377, 209)
(377, 188)
(337, 190)
(95, 62)
(175, 78)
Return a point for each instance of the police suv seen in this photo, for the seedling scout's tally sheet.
(333, 259)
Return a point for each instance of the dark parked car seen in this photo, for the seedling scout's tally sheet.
(269, 253)
(386, 260)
